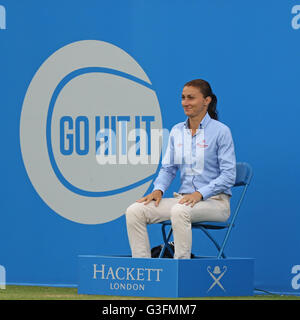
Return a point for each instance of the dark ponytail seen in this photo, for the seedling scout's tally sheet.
(205, 89)
(212, 107)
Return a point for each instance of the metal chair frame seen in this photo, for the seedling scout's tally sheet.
(243, 178)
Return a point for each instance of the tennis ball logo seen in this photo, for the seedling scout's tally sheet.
(81, 92)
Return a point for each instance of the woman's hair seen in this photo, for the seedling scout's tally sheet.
(205, 89)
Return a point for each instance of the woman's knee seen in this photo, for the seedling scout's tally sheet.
(134, 212)
(180, 213)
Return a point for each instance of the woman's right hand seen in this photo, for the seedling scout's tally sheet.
(156, 195)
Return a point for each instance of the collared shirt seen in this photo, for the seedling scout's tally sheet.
(206, 160)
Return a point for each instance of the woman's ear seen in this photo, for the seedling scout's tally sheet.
(208, 100)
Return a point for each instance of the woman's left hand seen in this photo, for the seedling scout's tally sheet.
(191, 199)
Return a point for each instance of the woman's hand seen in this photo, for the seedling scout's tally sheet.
(191, 199)
(156, 195)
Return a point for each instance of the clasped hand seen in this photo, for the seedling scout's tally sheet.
(188, 199)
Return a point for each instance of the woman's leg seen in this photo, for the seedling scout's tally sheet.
(216, 208)
(138, 216)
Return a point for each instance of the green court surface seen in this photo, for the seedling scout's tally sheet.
(14, 292)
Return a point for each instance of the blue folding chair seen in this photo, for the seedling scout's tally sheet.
(243, 178)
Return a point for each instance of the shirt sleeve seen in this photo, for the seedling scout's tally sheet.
(227, 165)
(168, 169)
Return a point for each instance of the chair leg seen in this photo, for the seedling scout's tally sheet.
(166, 240)
(233, 220)
(220, 250)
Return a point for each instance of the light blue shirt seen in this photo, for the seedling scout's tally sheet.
(206, 160)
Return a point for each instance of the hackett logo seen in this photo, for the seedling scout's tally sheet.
(127, 275)
(122, 273)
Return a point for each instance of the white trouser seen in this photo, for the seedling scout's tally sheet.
(139, 215)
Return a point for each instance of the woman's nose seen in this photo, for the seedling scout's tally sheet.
(184, 102)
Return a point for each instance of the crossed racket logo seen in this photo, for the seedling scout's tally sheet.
(217, 275)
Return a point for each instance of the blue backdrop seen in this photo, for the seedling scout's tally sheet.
(249, 52)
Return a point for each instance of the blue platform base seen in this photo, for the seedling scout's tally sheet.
(125, 276)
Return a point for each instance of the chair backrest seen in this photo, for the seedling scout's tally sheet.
(243, 174)
(243, 178)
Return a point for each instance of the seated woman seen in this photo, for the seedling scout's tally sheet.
(202, 149)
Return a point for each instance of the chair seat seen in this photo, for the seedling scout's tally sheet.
(204, 224)
(211, 225)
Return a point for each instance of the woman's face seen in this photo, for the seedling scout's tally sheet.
(193, 102)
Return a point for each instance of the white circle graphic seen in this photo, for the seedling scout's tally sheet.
(80, 89)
